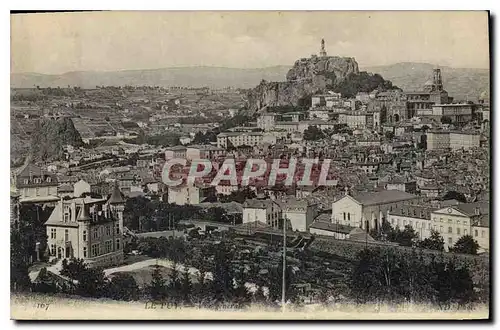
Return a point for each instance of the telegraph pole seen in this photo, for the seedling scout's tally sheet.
(284, 267)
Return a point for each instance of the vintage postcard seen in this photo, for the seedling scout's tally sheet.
(250, 165)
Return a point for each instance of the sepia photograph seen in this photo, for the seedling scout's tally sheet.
(250, 165)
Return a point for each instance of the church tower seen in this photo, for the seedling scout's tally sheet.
(437, 80)
(322, 53)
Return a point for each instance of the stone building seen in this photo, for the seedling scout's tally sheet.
(88, 228)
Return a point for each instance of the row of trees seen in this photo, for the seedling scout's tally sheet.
(383, 275)
(409, 237)
(226, 285)
(142, 214)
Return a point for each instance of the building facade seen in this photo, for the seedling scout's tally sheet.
(88, 229)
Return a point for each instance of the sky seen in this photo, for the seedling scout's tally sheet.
(107, 41)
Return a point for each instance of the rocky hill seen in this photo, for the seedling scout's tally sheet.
(50, 137)
(314, 75)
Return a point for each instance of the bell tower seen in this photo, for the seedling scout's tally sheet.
(437, 80)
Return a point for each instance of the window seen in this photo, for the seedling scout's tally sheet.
(85, 252)
(348, 216)
(52, 249)
(118, 244)
(465, 232)
(411, 223)
(26, 181)
(53, 232)
(458, 231)
(450, 230)
(108, 246)
(95, 233)
(449, 220)
(475, 233)
(37, 191)
(94, 250)
(117, 229)
(344, 216)
(66, 235)
(450, 241)
(84, 235)
(108, 230)
(48, 179)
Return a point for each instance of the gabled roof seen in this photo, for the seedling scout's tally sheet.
(28, 169)
(470, 208)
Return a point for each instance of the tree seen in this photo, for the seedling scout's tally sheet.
(187, 286)
(406, 237)
(91, 283)
(465, 244)
(384, 232)
(313, 133)
(222, 274)
(174, 285)
(241, 293)
(157, 287)
(43, 283)
(455, 195)
(434, 242)
(123, 287)
(240, 196)
(19, 275)
(74, 268)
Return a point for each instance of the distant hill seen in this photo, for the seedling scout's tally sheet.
(214, 77)
(461, 83)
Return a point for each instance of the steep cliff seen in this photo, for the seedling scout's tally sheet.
(51, 136)
(314, 75)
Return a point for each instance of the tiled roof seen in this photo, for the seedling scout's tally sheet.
(383, 197)
(259, 203)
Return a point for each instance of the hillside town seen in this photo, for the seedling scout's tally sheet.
(408, 171)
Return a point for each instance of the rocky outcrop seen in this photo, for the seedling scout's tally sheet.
(310, 76)
(50, 137)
